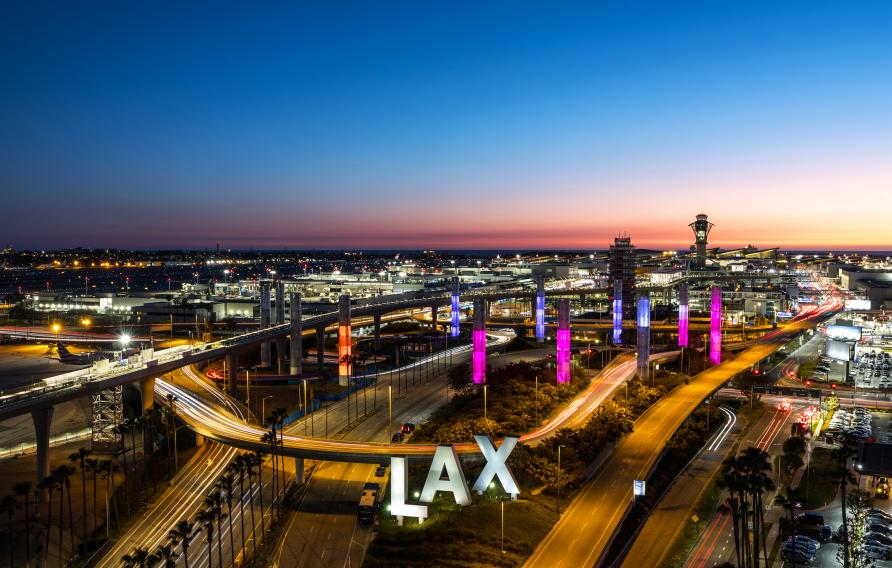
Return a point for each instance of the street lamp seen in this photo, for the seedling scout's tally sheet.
(559, 480)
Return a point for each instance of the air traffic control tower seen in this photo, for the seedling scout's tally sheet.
(701, 228)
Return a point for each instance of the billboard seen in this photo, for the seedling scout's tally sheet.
(839, 350)
(858, 304)
(844, 332)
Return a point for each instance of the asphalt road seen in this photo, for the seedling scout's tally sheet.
(585, 530)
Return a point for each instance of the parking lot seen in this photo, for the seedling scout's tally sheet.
(872, 369)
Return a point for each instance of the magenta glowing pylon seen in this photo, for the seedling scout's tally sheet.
(715, 327)
(478, 357)
(683, 315)
(563, 341)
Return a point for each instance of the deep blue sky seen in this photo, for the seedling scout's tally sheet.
(424, 124)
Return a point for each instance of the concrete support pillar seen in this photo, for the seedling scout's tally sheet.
(299, 476)
(297, 334)
(280, 302)
(377, 343)
(147, 392)
(43, 421)
(265, 359)
(232, 372)
(320, 347)
(345, 341)
(434, 310)
(280, 319)
(280, 355)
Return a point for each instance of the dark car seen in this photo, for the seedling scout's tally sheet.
(397, 438)
(407, 428)
(810, 519)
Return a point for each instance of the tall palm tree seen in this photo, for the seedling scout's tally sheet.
(48, 484)
(213, 503)
(207, 518)
(165, 420)
(167, 555)
(8, 506)
(94, 468)
(225, 486)
(270, 439)
(237, 470)
(79, 458)
(109, 469)
(843, 477)
(182, 533)
(121, 430)
(23, 490)
(249, 463)
(731, 480)
(756, 464)
(63, 474)
(172, 402)
(139, 558)
(281, 414)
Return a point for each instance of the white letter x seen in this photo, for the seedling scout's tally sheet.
(495, 464)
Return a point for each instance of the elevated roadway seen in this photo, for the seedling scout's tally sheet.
(587, 527)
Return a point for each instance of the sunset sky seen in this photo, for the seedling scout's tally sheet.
(445, 124)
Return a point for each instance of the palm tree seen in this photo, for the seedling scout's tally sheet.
(8, 506)
(167, 555)
(94, 467)
(270, 438)
(237, 469)
(182, 533)
(121, 430)
(79, 458)
(109, 469)
(139, 558)
(731, 480)
(756, 463)
(249, 461)
(206, 517)
(843, 477)
(63, 474)
(281, 413)
(224, 485)
(23, 489)
(48, 484)
(214, 504)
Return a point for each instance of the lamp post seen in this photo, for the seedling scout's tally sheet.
(537, 400)
(503, 525)
(389, 411)
(306, 410)
(484, 402)
(559, 480)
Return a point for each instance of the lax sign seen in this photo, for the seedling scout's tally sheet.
(454, 482)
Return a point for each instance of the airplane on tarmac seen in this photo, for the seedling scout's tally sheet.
(69, 358)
